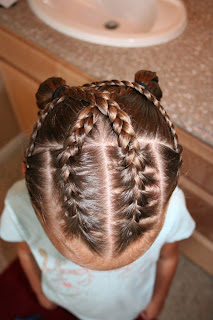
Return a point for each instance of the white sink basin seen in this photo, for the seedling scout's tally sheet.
(135, 23)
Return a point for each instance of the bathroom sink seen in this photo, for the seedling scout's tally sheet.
(121, 23)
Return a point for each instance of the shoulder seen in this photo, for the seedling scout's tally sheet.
(17, 191)
(178, 223)
(18, 201)
(18, 216)
(177, 199)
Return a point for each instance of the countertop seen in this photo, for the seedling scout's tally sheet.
(184, 65)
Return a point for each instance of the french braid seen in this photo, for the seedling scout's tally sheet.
(148, 95)
(41, 117)
(101, 103)
(136, 191)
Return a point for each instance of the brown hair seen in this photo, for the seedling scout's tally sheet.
(108, 154)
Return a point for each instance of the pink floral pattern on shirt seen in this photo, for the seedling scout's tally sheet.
(63, 278)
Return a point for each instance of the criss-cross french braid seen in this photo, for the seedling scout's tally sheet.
(101, 104)
(149, 96)
(41, 117)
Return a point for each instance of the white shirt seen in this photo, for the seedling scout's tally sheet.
(92, 295)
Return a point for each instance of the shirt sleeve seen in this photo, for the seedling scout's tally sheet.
(10, 228)
(179, 223)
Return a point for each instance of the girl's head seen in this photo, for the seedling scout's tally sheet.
(102, 163)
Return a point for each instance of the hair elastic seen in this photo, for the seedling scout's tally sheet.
(24, 167)
(145, 86)
(57, 91)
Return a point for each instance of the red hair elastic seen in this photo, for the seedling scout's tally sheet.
(24, 167)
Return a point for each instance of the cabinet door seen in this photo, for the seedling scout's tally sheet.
(21, 91)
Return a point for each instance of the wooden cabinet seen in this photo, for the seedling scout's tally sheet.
(24, 66)
(197, 183)
(8, 124)
(21, 92)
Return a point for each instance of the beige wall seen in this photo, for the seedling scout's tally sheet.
(8, 125)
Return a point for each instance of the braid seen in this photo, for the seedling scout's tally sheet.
(63, 157)
(149, 96)
(100, 103)
(41, 117)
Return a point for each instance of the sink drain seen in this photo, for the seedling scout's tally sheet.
(111, 25)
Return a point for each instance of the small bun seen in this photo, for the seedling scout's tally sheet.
(46, 90)
(150, 79)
